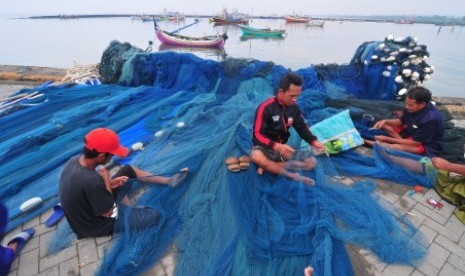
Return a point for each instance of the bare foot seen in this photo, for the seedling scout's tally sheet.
(260, 170)
(308, 271)
(299, 178)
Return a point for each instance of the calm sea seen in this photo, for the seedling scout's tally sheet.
(57, 43)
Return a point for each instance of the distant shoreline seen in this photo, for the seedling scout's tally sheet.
(400, 19)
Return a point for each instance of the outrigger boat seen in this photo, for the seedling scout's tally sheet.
(247, 30)
(316, 23)
(295, 19)
(171, 38)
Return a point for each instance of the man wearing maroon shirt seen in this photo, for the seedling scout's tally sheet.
(273, 119)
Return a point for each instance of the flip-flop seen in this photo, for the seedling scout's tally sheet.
(21, 239)
(56, 216)
(232, 163)
(244, 162)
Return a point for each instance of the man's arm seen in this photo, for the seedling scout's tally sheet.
(400, 141)
(387, 122)
(443, 164)
(260, 125)
(304, 131)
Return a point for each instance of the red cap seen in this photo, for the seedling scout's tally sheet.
(106, 141)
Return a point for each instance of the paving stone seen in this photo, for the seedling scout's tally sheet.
(406, 203)
(29, 263)
(70, 267)
(53, 271)
(429, 212)
(388, 196)
(398, 270)
(45, 215)
(417, 218)
(457, 261)
(452, 247)
(462, 241)
(429, 234)
(437, 255)
(102, 249)
(87, 251)
(42, 229)
(417, 273)
(51, 260)
(442, 230)
(455, 225)
(450, 270)
(91, 269)
(426, 268)
(31, 245)
(102, 240)
(32, 223)
(44, 243)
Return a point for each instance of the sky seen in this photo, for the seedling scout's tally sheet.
(255, 7)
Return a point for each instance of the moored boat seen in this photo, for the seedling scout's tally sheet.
(248, 30)
(316, 23)
(296, 19)
(210, 41)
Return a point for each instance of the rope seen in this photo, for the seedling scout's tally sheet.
(82, 74)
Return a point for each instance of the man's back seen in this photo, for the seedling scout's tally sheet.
(84, 199)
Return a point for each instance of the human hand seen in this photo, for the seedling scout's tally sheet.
(379, 124)
(118, 181)
(440, 163)
(104, 173)
(285, 150)
(319, 148)
(382, 138)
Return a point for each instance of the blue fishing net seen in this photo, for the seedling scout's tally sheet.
(190, 112)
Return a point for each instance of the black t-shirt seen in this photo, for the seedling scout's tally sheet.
(84, 199)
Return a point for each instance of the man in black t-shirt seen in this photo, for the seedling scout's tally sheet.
(88, 196)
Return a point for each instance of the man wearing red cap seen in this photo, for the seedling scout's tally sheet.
(88, 196)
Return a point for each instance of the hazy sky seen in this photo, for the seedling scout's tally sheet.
(257, 7)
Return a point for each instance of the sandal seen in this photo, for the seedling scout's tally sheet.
(244, 162)
(21, 239)
(232, 163)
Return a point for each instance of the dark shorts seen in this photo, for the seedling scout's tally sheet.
(277, 157)
(270, 154)
(128, 171)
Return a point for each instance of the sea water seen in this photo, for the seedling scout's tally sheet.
(59, 43)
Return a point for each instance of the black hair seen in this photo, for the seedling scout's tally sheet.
(419, 94)
(90, 153)
(288, 79)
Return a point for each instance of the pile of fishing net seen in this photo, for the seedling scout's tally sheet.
(191, 112)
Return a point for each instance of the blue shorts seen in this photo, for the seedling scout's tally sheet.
(7, 256)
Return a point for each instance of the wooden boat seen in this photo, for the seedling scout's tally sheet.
(403, 21)
(261, 37)
(210, 41)
(247, 30)
(295, 19)
(229, 21)
(316, 23)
